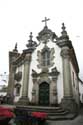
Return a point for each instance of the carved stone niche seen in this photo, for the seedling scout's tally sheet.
(18, 76)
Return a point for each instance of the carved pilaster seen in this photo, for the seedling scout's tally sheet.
(65, 53)
(67, 102)
(24, 99)
(67, 83)
(11, 83)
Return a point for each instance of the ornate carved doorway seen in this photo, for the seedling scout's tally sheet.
(44, 94)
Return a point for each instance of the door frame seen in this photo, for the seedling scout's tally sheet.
(42, 85)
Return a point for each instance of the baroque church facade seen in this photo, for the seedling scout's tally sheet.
(46, 72)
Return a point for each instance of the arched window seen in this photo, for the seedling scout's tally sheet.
(18, 87)
(17, 91)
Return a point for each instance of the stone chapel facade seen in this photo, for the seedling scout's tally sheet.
(46, 72)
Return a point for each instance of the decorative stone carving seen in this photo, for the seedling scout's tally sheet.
(52, 52)
(18, 76)
(48, 77)
(44, 79)
(31, 44)
(54, 72)
(45, 35)
(34, 73)
(63, 40)
(45, 57)
(65, 53)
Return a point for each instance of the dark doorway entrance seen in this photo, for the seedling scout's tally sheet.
(44, 94)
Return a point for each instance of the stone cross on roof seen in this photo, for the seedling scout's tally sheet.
(31, 36)
(45, 20)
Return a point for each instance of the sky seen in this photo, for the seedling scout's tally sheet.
(20, 17)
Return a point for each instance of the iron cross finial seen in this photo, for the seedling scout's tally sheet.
(45, 20)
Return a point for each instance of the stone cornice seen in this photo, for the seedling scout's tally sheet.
(27, 58)
(19, 59)
(30, 50)
(62, 42)
(45, 35)
(11, 53)
(13, 56)
(54, 73)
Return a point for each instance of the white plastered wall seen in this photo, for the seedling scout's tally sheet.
(19, 68)
(75, 84)
(58, 64)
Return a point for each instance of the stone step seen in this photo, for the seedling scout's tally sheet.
(58, 113)
(39, 107)
(45, 110)
(42, 109)
(54, 113)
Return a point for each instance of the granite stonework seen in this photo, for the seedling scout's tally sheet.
(42, 77)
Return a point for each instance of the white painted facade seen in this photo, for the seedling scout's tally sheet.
(16, 97)
(56, 72)
(75, 83)
(57, 63)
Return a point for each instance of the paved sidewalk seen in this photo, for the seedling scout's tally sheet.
(77, 121)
